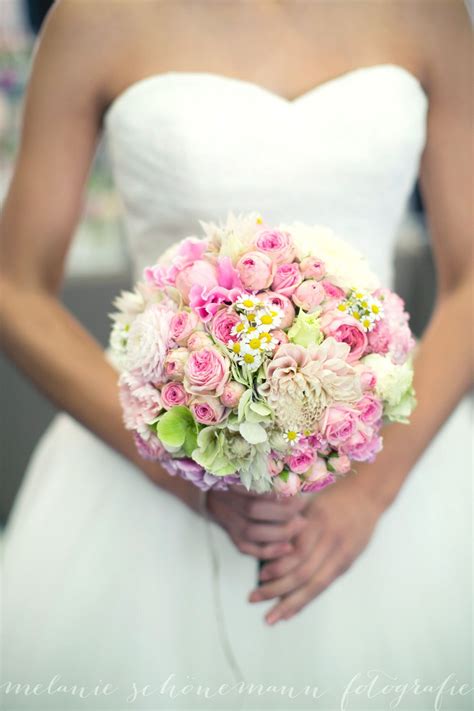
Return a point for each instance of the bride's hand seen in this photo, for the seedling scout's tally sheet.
(341, 520)
(260, 525)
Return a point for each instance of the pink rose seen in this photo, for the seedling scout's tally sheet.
(280, 336)
(300, 460)
(318, 477)
(370, 409)
(363, 445)
(288, 486)
(287, 278)
(201, 273)
(198, 340)
(367, 377)
(346, 329)
(277, 245)
(333, 291)
(207, 302)
(275, 464)
(309, 295)
(255, 270)
(175, 362)
(173, 394)
(182, 325)
(339, 424)
(232, 393)
(223, 323)
(206, 372)
(341, 464)
(207, 410)
(312, 268)
(283, 303)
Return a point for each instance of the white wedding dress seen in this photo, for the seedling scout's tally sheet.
(110, 580)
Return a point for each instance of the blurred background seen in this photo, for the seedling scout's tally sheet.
(98, 266)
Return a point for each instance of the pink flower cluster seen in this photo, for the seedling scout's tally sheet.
(271, 324)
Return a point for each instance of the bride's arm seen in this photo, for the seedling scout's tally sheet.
(343, 517)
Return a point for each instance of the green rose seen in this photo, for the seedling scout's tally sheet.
(306, 330)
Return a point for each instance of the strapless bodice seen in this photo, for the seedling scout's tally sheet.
(186, 146)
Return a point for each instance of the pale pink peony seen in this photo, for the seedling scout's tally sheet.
(309, 295)
(182, 325)
(173, 394)
(198, 340)
(341, 464)
(346, 329)
(256, 270)
(148, 342)
(339, 424)
(312, 268)
(201, 273)
(287, 278)
(223, 323)
(283, 303)
(207, 410)
(370, 409)
(290, 487)
(207, 302)
(175, 362)
(277, 245)
(379, 338)
(232, 393)
(300, 460)
(206, 372)
(141, 402)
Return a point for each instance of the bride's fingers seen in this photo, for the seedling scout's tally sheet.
(263, 551)
(272, 532)
(298, 576)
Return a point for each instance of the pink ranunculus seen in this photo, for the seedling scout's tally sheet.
(149, 448)
(206, 409)
(283, 303)
(158, 276)
(276, 245)
(256, 270)
(201, 273)
(206, 372)
(232, 393)
(367, 377)
(275, 464)
(333, 291)
(312, 268)
(182, 325)
(280, 336)
(290, 487)
(223, 323)
(370, 409)
(339, 424)
(198, 340)
(308, 295)
(345, 329)
(364, 444)
(317, 477)
(207, 302)
(287, 278)
(300, 460)
(173, 394)
(379, 338)
(341, 464)
(175, 362)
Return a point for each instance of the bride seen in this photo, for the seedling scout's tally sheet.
(120, 590)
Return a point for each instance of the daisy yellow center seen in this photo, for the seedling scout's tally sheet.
(255, 343)
(236, 347)
(292, 436)
(247, 303)
(249, 358)
(266, 319)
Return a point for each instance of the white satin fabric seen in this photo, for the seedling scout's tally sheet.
(108, 579)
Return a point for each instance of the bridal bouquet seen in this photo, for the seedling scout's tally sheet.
(261, 355)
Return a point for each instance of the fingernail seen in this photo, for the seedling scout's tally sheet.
(272, 618)
(255, 597)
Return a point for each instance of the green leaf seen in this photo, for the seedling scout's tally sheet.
(253, 432)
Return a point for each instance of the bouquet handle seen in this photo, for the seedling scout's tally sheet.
(260, 564)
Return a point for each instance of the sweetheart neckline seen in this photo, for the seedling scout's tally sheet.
(297, 100)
